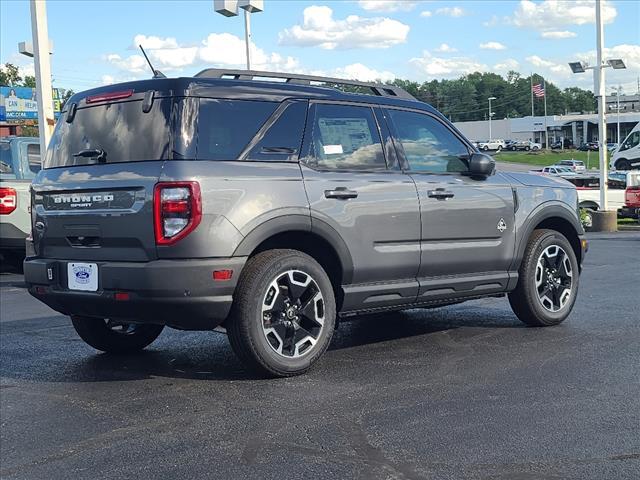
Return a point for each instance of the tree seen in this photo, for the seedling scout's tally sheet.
(29, 81)
(9, 75)
(65, 96)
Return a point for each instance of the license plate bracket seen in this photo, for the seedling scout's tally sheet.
(82, 276)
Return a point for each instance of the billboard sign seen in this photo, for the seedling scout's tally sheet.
(20, 103)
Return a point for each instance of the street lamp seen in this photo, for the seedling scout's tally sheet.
(599, 84)
(617, 90)
(229, 8)
(490, 115)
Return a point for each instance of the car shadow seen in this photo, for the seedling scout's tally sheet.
(58, 355)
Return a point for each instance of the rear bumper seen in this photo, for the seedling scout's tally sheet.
(629, 212)
(178, 293)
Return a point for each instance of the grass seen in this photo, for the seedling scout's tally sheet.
(627, 221)
(543, 158)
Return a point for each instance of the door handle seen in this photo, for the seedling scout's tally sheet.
(440, 194)
(341, 193)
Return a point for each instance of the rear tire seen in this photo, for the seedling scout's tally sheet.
(548, 280)
(115, 337)
(283, 314)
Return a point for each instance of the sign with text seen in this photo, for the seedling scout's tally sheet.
(20, 103)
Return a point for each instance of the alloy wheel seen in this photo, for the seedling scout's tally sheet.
(554, 278)
(293, 313)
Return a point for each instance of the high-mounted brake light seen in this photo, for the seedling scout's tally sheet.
(105, 97)
(177, 208)
(8, 200)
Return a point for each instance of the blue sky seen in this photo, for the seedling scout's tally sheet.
(364, 39)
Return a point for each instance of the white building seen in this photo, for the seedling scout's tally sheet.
(578, 128)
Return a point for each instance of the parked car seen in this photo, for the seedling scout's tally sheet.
(270, 209)
(627, 156)
(19, 163)
(525, 145)
(611, 146)
(631, 207)
(589, 146)
(558, 170)
(491, 145)
(575, 165)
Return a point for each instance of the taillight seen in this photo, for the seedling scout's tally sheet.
(177, 210)
(8, 200)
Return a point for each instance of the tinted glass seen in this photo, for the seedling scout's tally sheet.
(6, 163)
(283, 139)
(429, 146)
(225, 127)
(345, 137)
(122, 130)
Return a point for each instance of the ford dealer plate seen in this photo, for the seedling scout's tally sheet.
(83, 276)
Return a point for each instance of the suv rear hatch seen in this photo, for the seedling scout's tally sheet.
(94, 198)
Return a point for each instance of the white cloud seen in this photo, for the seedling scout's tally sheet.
(554, 14)
(451, 11)
(224, 49)
(445, 48)
(358, 71)
(153, 42)
(492, 46)
(558, 34)
(506, 65)
(446, 67)
(387, 5)
(492, 22)
(108, 80)
(426, 14)
(558, 68)
(320, 29)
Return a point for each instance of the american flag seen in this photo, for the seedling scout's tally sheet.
(538, 90)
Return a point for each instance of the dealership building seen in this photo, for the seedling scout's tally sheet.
(579, 128)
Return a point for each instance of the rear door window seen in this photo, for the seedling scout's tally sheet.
(6, 162)
(344, 137)
(34, 161)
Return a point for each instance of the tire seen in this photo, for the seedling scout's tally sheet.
(588, 218)
(115, 337)
(527, 148)
(532, 301)
(485, 148)
(267, 326)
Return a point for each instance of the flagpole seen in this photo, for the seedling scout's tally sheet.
(531, 78)
(546, 134)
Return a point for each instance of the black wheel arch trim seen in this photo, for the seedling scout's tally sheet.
(544, 212)
(298, 223)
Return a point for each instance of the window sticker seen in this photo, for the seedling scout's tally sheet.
(332, 149)
(349, 133)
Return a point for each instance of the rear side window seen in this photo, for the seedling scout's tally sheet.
(6, 162)
(33, 157)
(225, 127)
(121, 130)
(345, 137)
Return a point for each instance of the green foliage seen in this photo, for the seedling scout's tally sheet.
(465, 98)
(29, 81)
(9, 75)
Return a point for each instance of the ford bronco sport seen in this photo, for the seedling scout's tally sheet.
(272, 206)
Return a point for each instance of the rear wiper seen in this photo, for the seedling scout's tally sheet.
(97, 153)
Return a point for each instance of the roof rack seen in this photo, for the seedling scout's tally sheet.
(376, 88)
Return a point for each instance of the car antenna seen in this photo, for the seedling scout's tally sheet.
(156, 73)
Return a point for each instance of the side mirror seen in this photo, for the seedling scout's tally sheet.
(481, 165)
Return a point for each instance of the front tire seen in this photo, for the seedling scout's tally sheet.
(548, 280)
(115, 337)
(283, 315)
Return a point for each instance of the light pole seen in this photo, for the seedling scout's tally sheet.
(617, 90)
(40, 49)
(229, 8)
(598, 69)
(490, 115)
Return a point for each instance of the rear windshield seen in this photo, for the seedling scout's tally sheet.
(122, 131)
(198, 129)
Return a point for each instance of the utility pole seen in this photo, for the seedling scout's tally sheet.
(531, 92)
(490, 115)
(617, 90)
(42, 64)
(546, 133)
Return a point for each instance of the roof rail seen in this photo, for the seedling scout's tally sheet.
(376, 88)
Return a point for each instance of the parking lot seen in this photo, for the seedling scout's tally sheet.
(458, 392)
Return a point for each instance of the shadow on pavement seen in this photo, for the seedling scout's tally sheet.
(53, 352)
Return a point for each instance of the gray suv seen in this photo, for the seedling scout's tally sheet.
(271, 207)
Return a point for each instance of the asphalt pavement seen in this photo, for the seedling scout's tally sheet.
(460, 392)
